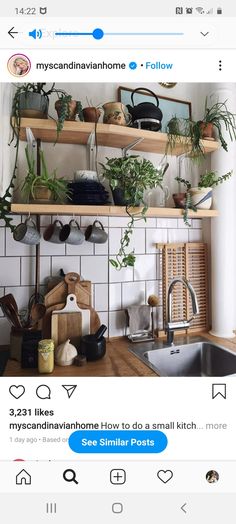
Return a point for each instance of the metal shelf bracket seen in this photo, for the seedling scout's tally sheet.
(126, 149)
(91, 151)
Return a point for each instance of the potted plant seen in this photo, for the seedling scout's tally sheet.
(31, 100)
(91, 113)
(130, 176)
(219, 117)
(200, 197)
(185, 134)
(46, 187)
(215, 117)
(67, 109)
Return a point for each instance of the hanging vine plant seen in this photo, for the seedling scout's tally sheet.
(129, 177)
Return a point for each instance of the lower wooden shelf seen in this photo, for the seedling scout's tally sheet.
(62, 209)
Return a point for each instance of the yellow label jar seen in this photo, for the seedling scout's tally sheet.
(46, 356)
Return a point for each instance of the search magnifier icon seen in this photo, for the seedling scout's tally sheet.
(69, 475)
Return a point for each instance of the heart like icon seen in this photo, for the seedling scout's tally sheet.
(165, 475)
(17, 391)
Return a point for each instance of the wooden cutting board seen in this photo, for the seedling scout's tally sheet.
(70, 322)
(58, 294)
(94, 318)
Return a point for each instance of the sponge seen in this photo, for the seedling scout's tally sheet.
(153, 300)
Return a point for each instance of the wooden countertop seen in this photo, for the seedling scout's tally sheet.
(118, 362)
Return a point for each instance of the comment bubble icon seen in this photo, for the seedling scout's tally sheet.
(43, 392)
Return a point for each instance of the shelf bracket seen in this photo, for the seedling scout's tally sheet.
(91, 152)
(179, 160)
(126, 149)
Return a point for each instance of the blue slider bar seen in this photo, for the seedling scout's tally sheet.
(99, 33)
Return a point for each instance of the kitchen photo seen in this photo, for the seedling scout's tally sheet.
(117, 229)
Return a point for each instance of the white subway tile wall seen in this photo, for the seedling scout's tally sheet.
(113, 290)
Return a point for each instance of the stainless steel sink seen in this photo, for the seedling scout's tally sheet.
(189, 357)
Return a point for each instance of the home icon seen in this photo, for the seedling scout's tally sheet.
(23, 478)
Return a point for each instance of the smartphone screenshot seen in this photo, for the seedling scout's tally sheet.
(117, 262)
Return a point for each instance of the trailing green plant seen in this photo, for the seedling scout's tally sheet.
(58, 186)
(64, 112)
(189, 134)
(207, 179)
(186, 133)
(211, 179)
(133, 175)
(222, 119)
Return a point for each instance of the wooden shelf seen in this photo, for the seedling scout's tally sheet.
(107, 135)
(61, 209)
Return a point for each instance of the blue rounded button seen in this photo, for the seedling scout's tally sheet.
(118, 441)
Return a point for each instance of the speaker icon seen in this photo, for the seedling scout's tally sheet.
(36, 33)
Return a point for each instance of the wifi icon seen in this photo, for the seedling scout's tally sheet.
(200, 10)
(36, 33)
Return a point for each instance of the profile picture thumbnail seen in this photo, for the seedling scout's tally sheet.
(212, 476)
(19, 65)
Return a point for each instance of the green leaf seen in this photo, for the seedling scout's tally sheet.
(114, 263)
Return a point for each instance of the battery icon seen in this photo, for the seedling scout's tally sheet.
(219, 11)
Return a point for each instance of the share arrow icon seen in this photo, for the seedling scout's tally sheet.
(69, 390)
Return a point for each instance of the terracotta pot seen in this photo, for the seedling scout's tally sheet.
(72, 109)
(179, 199)
(42, 194)
(201, 197)
(91, 114)
(206, 129)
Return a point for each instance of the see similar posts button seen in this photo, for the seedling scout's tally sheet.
(118, 441)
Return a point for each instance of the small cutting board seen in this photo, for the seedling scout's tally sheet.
(70, 322)
(58, 294)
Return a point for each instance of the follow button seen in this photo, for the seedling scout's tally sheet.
(118, 441)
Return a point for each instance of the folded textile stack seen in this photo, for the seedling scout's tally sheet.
(88, 192)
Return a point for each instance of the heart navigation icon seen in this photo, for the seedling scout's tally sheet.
(17, 391)
(165, 475)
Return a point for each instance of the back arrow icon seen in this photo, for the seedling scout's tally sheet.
(12, 33)
(183, 507)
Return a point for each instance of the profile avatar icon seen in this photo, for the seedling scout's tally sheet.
(19, 65)
(212, 476)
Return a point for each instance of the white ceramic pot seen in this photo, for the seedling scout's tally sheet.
(85, 174)
(201, 197)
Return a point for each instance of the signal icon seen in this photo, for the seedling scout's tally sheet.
(36, 33)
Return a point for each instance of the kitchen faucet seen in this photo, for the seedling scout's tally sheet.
(171, 327)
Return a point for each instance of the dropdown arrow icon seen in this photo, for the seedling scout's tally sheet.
(184, 507)
(204, 34)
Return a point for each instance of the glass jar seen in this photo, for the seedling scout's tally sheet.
(46, 356)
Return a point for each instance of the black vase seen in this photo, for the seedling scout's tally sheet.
(119, 199)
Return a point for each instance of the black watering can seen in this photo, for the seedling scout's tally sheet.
(145, 110)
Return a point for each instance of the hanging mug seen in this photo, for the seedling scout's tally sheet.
(27, 233)
(96, 234)
(71, 233)
(52, 232)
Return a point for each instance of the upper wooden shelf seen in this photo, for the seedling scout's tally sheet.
(107, 135)
(68, 209)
